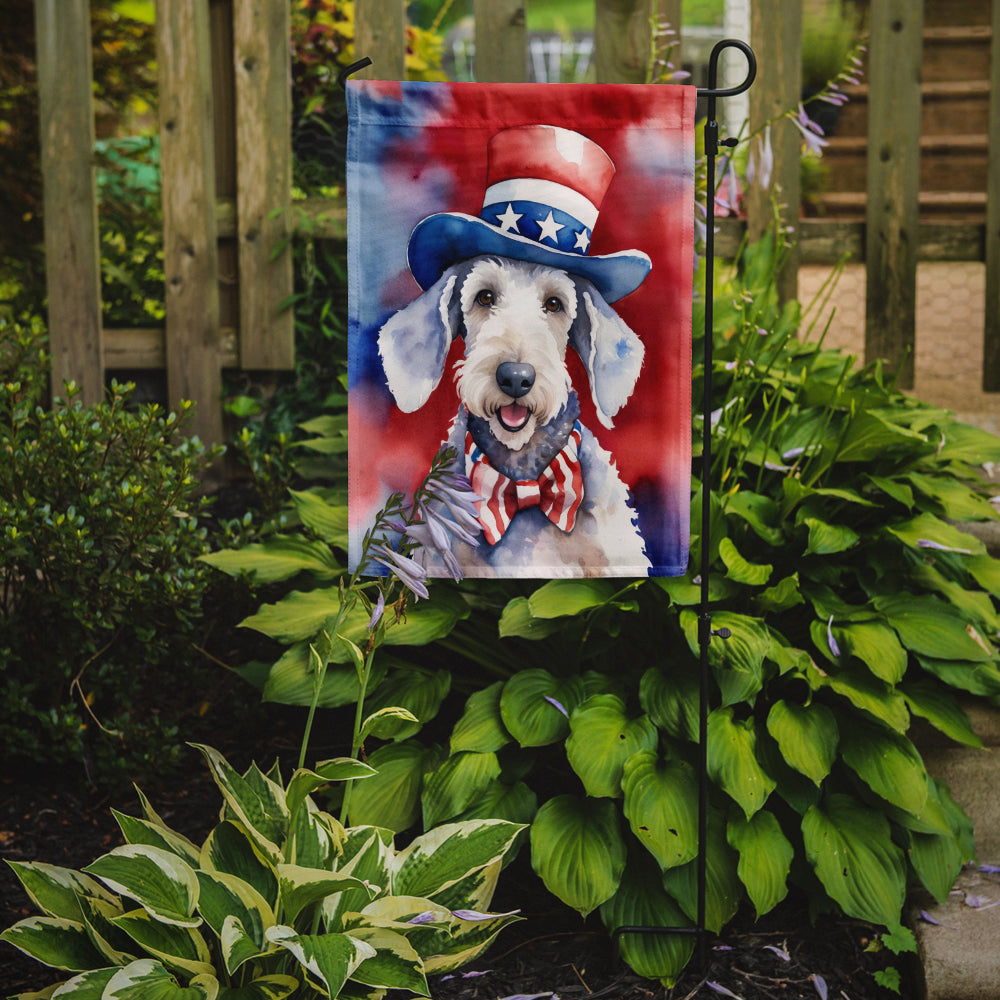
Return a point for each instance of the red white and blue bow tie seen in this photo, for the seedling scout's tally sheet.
(558, 491)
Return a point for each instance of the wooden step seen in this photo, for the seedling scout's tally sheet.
(947, 162)
(956, 53)
(958, 206)
(945, 12)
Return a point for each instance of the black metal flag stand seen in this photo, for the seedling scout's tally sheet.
(705, 631)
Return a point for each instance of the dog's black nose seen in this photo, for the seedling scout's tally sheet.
(515, 378)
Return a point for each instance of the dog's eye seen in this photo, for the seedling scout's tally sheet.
(486, 297)
(553, 304)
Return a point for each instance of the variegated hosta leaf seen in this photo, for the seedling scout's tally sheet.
(224, 897)
(578, 851)
(230, 849)
(642, 902)
(304, 782)
(395, 964)
(723, 889)
(661, 800)
(765, 858)
(56, 891)
(141, 831)
(158, 880)
(476, 890)
(256, 801)
(86, 986)
(391, 799)
(98, 915)
(602, 737)
(177, 947)
(456, 784)
(367, 853)
(315, 838)
(441, 857)
(147, 979)
(850, 847)
(274, 987)
(807, 736)
(467, 940)
(329, 959)
(888, 763)
(481, 727)
(300, 887)
(535, 706)
(732, 760)
(54, 941)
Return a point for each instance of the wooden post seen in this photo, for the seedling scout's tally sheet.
(991, 333)
(262, 61)
(380, 34)
(893, 184)
(776, 35)
(190, 254)
(622, 40)
(501, 41)
(72, 255)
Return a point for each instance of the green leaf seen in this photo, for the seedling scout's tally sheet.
(976, 678)
(956, 500)
(279, 558)
(765, 858)
(292, 680)
(301, 887)
(164, 885)
(866, 692)
(274, 987)
(578, 851)
(807, 736)
(456, 784)
(86, 986)
(225, 897)
(56, 891)
(331, 959)
(986, 571)
(391, 798)
(876, 646)
(528, 710)
(147, 979)
(418, 691)
(304, 782)
(671, 700)
(260, 809)
(438, 859)
(738, 569)
(928, 528)
(783, 595)
(758, 511)
(181, 948)
(941, 709)
(888, 763)
(561, 598)
(517, 620)
(732, 760)
(723, 889)
(516, 803)
(738, 661)
(661, 798)
(850, 848)
(870, 435)
(54, 941)
(640, 901)
(230, 849)
(481, 727)
(601, 739)
(828, 539)
(386, 722)
(327, 520)
(931, 628)
(395, 964)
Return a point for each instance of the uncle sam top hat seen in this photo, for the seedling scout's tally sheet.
(544, 188)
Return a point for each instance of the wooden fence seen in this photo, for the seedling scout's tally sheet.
(226, 161)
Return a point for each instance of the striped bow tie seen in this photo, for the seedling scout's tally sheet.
(558, 491)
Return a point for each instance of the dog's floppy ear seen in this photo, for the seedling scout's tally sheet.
(611, 352)
(414, 342)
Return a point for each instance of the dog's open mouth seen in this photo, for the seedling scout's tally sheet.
(513, 416)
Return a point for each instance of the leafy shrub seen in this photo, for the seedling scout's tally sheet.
(855, 603)
(99, 539)
(279, 899)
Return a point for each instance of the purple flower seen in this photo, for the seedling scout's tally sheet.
(427, 917)
(820, 983)
(761, 163)
(719, 988)
(811, 132)
(834, 648)
(377, 611)
(558, 705)
(927, 543)
(475, 915)
(411, 574)
(780, 952)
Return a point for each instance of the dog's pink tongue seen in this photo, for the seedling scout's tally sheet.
(513, 414)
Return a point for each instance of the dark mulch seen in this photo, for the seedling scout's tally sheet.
(551, 951)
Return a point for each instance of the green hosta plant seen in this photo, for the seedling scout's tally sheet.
(279, 900)
(856, 603)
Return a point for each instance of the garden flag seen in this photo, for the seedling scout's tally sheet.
(520, 263)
